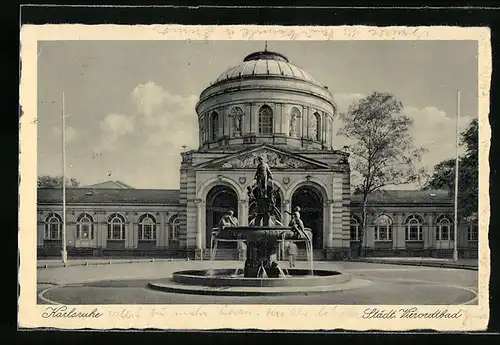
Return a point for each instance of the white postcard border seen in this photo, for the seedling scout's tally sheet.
(286, 317)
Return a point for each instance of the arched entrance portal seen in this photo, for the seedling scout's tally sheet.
(310, 201)
(220, 200)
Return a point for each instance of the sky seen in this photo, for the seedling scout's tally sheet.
(131, 104)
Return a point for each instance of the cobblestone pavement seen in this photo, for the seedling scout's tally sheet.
(127, 284)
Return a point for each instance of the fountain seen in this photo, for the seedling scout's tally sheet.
(264, 236)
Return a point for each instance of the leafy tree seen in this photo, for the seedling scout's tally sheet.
(47, 181)
(383, 152)
(468, 170)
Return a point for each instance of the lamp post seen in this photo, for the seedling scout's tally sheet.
(64, 252)
(455, 228)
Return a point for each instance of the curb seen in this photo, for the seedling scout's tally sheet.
(248, 291)
(107, 262)
(420, 263)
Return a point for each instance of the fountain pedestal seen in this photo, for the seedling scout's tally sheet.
(259, 261)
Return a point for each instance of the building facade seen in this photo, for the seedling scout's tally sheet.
(263, 107)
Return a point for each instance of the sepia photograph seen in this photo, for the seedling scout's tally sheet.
(258, 172)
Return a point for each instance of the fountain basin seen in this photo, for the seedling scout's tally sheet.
(222, 282)
(258, 233)
(225, 277)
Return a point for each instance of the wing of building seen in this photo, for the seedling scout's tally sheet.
(263, 107)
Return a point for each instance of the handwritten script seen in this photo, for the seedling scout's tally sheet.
(222, 311)
(65, 313)
(317, 33)
(409, 313)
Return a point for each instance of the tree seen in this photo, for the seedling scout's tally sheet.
(383, 152)
(468, 171)
(46, 181)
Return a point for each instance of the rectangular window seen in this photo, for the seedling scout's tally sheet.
(54, 231)
(148, 232)
(116, 232)
(472, 233)
(86, 232)
(383, 233)
(445, 233)
(414, 233)
(354, 233)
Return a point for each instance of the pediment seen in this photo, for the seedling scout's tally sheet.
(276, 159)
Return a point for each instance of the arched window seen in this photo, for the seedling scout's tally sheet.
(354, 228)
(265, 120)
(472, 233)
(53, 225)
(316, 127)
(147, 227)
(84, 227)
(294, 121)
(214, 125)
(444, 228)
(414, 228)
(116, 227)
(383, 228)
(173, 234)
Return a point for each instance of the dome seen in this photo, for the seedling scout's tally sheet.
(265, 100)
(266, 63)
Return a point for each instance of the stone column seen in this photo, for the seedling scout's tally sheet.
(221, 111)
(334, 228)
(399, 232)
(229, 126)
(254, 118)
(129, 226)
(133, 231)
(286, 207)
(369, 232)
(331, 132)
(281, 106)
(245, 124)
(102, 229)
(223, 121)
(327, 130)
(305, 123)
(243, 212)
(429, 231)
(200, 221)
(160, 229)
(324, 127)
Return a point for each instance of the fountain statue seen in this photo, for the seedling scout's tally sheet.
(266, 232)
(262, 240)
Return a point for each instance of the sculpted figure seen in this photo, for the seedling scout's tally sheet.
(293, 124)
(237, 123)
(228, 220)
(296, 223)
(263, 175)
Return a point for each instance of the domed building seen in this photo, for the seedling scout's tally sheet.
(266, 106)
(263, 107)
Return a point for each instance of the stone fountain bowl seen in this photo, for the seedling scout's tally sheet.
(227, 278)
(258, 233)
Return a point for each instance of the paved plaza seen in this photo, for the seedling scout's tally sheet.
(126, 283)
